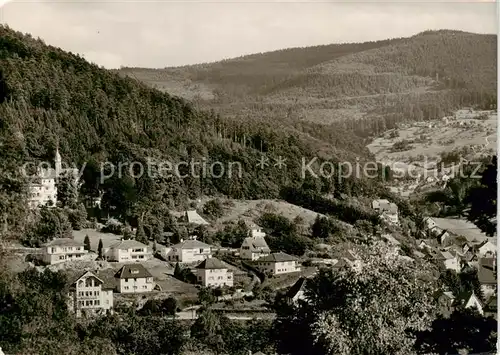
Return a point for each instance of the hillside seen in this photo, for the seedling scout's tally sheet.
(52, 98)
(362, 87)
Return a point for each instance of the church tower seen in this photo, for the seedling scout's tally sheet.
(58, 162)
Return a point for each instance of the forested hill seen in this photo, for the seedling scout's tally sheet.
(50, 97)
(364, 87)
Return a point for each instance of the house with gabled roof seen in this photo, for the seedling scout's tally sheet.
(388, 210)
(448, 260)
(469, 299)
(61, 250)
(188, 251)
(254, 248)
(90, 295)
(134, 278)
(296, 292)
(212, 272)
(278, 263)
(127, 251)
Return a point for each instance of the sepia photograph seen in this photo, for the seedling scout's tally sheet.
(233, 177)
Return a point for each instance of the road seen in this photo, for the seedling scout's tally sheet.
(191, 315)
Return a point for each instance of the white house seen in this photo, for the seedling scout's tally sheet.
(213, 273)
(126, 251)
(388, 210)
(254, 248)
(278, 263)
(134, 278)
(255, 230)
(188, 251)
(450, 262)
(88, 295)
(61, 250)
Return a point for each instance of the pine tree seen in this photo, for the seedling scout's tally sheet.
(86, 243)
(100, 249)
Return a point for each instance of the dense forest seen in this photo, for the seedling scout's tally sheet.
(50, 98)
(361, 87)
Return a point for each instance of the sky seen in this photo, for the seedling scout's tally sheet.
(159, 34)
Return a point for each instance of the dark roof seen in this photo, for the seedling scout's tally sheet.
(486, 272)
(127, 244)
(65, 242)
(277, 257)
(211, 263)
(296, 287)
(106, 276)
(492, 304)
(132, 271)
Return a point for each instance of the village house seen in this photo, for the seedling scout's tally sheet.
(254, 248)
(278, 263)
(212, 272)
(469, 300)
(61, 250)
(126, 251)
(448, 260)
(89, 295)
(487, 275)
(447, 302)
(255, 230)
(455, 228)
(296, 292)
(134, 278)
(188, 251)
(387, 210)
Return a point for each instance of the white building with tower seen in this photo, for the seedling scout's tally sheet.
(43, 189)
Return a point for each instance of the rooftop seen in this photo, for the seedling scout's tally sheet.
(256, 243)
(132, 271)
(461, 227)
(64, 242)
(486, 272)
(277, 257)
(190, 244)
(127, 244)
(211, 263)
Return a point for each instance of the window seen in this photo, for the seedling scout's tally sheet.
(144, 287)
(53, 250)
(88, 282)
(61, 257)
(199, 278)
(87, 303)
(141, 256)
(126, 287)
(135, 287)
(201, 250)
(126, 280)
(135, 279)
(96, 293)
(96, 302)
(134, 271)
